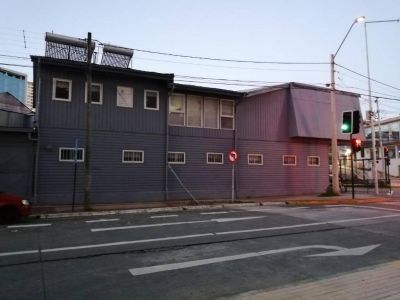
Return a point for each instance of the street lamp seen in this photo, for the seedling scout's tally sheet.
(335, 169)
(374, 168)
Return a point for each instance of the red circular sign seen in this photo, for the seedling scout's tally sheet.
(233, 156)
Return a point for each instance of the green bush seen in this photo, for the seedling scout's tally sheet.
(328, 192)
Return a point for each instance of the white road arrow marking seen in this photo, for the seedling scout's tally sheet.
(208, 261)
(348, 252)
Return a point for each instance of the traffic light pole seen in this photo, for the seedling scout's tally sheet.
(353, 153)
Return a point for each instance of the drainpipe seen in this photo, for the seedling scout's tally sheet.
(170, 91)
(235, 141)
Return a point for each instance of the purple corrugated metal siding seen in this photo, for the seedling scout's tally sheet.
(311, 116)
(264, 122)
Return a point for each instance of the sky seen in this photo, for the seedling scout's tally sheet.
(294, 31)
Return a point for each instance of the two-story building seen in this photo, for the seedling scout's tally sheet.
(152, 139)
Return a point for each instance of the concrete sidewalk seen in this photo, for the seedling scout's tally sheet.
(58, 211)
(377, 282)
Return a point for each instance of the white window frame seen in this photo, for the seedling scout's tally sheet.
(215, 163)
(255, 164)
(158, 100)
(71, 160)
(226, 116)
(289, 155)
(69, 89)
(177, 112)
(312, 165)
(177, 162)
(101, 93)
(201, 112)
(133, 151)
(218, 112)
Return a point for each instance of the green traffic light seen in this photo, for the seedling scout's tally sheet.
(345, 128)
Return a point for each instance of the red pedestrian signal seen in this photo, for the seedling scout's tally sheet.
(386, 151)
(356, 145)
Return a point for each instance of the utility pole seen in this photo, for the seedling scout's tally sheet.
(88, 175)
(380, 135)
(335, 173)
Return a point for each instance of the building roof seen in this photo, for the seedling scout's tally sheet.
(49, 61)
(385, 121)
(268, 89)
(206, 90)
(11, 104)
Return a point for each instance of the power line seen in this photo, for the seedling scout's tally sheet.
(374, 80)
(227, 67)
(230, 60)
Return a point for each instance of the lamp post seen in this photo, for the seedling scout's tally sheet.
(374, 168)
(335, 169)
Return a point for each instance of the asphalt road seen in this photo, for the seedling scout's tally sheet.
(196, 254)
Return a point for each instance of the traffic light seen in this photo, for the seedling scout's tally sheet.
(347, 121)
(356, 121)
(351, 121)
(356, 145)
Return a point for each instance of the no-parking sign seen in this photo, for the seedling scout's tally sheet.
(233, 156)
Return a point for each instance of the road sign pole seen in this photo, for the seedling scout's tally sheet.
(233, 182)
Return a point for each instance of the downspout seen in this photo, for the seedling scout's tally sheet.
(235, 141)
(170, 91)
(38, 84)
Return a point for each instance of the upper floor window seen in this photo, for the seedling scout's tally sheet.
(289, 160)
(97, 93)
(177, 110)
(227, 114)
(194, 110)
(151, 100)
(313, 161)
(124, 96)
(71, 154)
(211, 112)
(62, 89)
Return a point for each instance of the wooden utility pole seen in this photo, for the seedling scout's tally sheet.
(88, 175)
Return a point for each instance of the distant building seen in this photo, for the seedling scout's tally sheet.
(389, 134)
(29, 94)
(14, 83)
(17, 145)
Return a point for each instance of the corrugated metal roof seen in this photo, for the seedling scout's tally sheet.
(268, 89)
(11, 104)
(206, 90)
(101, 68)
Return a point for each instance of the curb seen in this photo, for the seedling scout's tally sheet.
(334, 201)
(142, 210)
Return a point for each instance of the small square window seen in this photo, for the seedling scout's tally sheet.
(289, 160)
(255, 159)
(71, 155)
(133, 156)
(97, 93)
(151, 100)
(176, 158)
(62, 89)
(313, 161)
(215, 158)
